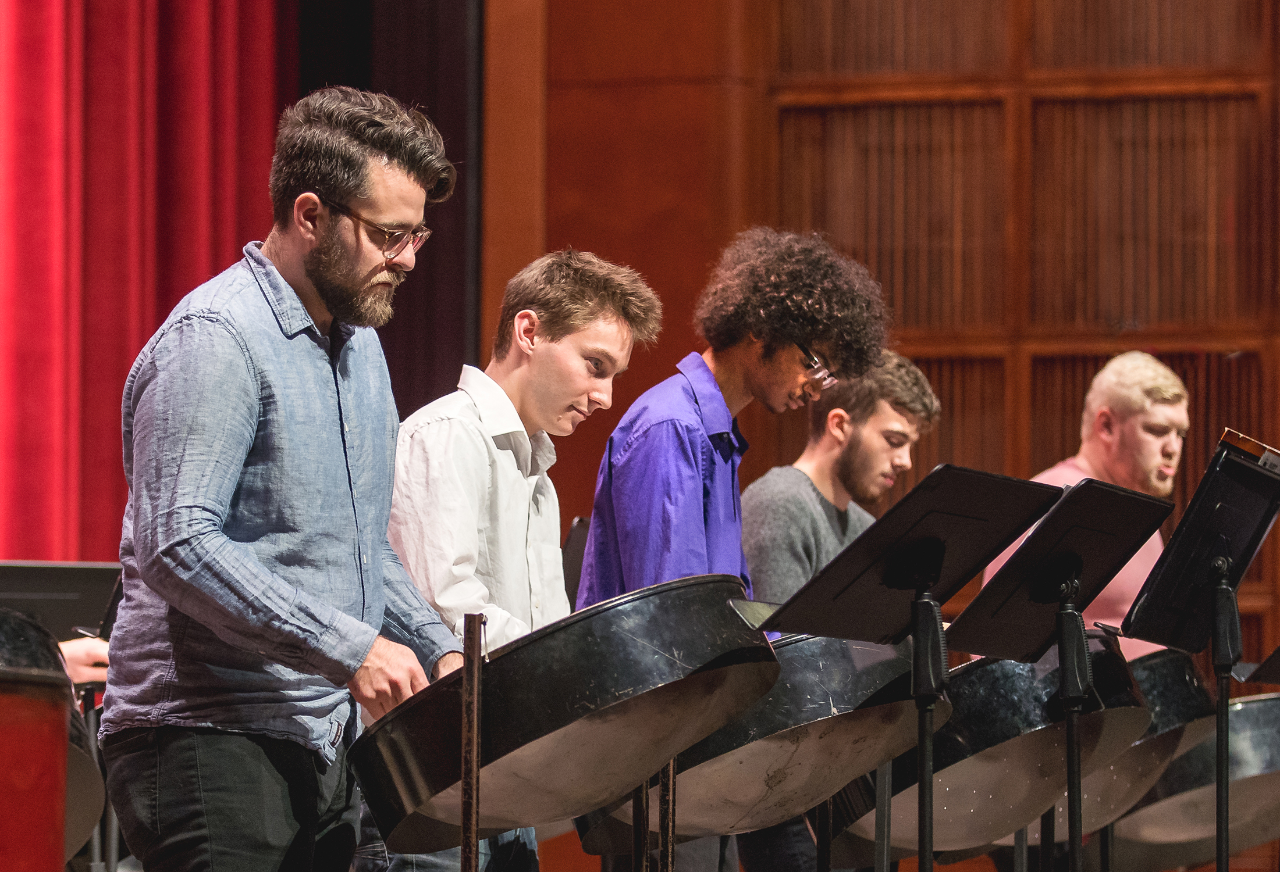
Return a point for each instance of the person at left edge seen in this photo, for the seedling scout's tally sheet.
(474, 514)
(262, 600)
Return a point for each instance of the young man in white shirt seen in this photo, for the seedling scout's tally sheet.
(474, 514)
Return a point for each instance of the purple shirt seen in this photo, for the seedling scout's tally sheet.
(667, 503)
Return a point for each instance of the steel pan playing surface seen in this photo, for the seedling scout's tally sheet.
(1001, 759)
(573, 716)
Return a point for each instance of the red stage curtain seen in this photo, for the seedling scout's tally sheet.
(135, 141)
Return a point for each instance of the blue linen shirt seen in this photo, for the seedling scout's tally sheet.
(257, 572)
(667, 504)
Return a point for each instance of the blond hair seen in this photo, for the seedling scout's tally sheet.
(1130, 383)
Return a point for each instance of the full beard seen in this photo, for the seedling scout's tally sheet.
(328, 267)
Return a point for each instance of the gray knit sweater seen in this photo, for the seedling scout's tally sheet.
(790, 531)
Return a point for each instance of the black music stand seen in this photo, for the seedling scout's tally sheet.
(1189, 600)
(891, 581)
(1037, 597)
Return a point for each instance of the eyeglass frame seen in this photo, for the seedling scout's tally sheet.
(415, 237)
(817, 371)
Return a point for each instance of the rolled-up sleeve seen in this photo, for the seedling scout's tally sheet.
(194, 418)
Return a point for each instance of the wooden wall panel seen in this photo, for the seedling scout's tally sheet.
(1100, 175)
(970, 431)
(844, 37)
(1160, 33)
(1146, 214)
(917, 192)
(1058, 386)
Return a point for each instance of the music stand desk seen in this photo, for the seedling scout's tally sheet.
(1089, 535)
(937, 537)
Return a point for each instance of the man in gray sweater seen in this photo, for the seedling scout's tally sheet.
(797, 518)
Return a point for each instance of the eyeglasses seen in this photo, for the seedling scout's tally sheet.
(816, 372)
(393, 241)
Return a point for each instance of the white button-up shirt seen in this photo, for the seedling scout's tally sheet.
(474, 515)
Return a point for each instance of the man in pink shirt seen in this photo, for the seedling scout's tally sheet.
(1131, 432)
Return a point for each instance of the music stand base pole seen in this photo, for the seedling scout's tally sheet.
(1227, 648)
(1075, 679)
(1020, 850)
(1222, 765)
(928, 680)
(471, 661)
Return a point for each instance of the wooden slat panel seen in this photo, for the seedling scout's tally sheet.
(916, 192)
(870, 36)
(970, 431)
(1145, 33)
(1145, 214)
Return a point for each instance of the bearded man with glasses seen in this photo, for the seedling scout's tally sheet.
(783, 316)
(262, 600)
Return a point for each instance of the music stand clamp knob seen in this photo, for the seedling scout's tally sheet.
(1228, 646)
(929, 649)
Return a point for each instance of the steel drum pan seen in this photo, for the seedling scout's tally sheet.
(31, 669)
(573, 716)
(1001, 759)
(1181, 702)
(814, 731)
(1174, 823)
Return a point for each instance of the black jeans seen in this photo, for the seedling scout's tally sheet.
(202, 799)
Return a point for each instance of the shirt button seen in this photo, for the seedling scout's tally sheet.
(364, 560)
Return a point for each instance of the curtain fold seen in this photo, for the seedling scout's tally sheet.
(135, 143)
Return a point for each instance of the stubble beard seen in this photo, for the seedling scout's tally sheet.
(846, 471)
(328, 266)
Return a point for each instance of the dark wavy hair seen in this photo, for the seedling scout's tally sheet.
(326, 139)
(783, 288)
(569, 290)
(895, 380)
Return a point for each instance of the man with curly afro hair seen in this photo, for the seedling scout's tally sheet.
(783, 316)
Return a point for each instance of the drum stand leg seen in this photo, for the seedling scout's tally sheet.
(1227, 648)
(1076, 679)
(824, 837)
(1048, 821)
(471, 656)
(667, 818)
(928, 679)
(884, 798)
(90, 714)
(1104, 847)
(1020, 850)
(640, 829)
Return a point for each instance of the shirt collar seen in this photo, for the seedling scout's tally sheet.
(290, 314)
(501, 421)
(711, 405)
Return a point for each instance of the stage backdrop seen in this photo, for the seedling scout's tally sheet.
(134, 145)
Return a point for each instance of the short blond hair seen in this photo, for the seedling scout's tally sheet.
(1130, 383)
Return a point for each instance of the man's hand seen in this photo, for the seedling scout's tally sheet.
(446, 664)
(389, 675)
(86, 659)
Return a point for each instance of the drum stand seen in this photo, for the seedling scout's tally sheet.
(109, 823)
(472, 658)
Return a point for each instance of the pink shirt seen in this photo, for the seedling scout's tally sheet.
(1113, 603)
